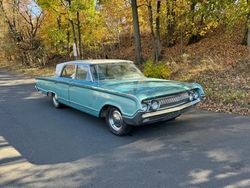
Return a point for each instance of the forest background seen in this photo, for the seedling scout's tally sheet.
(206, 41)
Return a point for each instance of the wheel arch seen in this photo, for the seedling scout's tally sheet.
(50, 93)
(104, 110)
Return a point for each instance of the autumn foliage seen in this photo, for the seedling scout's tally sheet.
(34, 32)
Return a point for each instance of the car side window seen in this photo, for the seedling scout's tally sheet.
(82, 73)
(68, 71)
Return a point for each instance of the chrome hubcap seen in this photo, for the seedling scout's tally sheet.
(115, 120)
(55, 100)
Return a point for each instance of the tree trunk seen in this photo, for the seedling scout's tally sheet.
(74, 36)
(137, 35)
(246, 38)
(79, 34)
(170, 41)
(59, 26)
(68, 42)
(155, 34)
(248, 26)
(59, 22)
(150, 16)
(157, 30)
(195, 37)
(73, 31)
(14, 12)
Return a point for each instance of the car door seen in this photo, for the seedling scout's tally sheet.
(80, 92)
(64, 81)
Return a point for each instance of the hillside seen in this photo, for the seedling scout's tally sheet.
(218, 62)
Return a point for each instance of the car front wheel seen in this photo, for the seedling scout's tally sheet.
(116, 123)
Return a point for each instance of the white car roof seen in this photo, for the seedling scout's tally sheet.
(89, 62)
(97, 61)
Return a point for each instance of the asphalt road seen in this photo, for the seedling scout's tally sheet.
(41, 146)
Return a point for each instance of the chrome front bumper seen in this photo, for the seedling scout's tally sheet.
(161, 115)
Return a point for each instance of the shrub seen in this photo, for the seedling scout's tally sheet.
(156, 70)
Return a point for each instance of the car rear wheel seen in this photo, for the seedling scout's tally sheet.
(116, 123)
(55, 102)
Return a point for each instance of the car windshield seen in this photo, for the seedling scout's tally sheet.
(116, 71)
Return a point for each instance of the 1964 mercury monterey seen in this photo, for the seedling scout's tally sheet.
(119, 92)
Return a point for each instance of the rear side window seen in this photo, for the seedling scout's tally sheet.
(68, 71)
(82, 73)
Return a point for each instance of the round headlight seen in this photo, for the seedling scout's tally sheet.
(195, 95)
(155, 105)
(144, 107)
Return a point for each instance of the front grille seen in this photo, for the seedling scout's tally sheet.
(173, 100)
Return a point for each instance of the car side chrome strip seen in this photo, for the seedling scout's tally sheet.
(169, 110)
(91, 87)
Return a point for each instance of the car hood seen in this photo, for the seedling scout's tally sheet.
(147, 88)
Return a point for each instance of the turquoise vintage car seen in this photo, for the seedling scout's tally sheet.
(119, 92)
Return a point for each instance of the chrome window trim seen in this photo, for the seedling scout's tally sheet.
(90, 74)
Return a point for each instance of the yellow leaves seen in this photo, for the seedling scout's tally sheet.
(208, 27)
(159, 70)
(113, 19)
